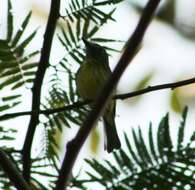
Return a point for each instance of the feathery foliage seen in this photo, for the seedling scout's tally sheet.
(15, 68)
(161, 164)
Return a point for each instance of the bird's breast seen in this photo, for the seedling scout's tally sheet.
(90, 79)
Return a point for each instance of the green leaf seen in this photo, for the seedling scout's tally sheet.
(170, 169)
(105, 40)
(4, 107)
(29, 66)
(13, 97)
(181, 129)
(11, 71)
(143, 147)
(130, 149)
(18, 84)
(8, 138)
(164, 140)
(9, 21)
(21, 30)
(12, 55)
(10, 81)
(20, 48)
(108, 2)
(151, 142)
(70, 31)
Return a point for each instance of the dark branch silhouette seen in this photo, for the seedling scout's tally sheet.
(12, 172)
(43, 64)
(79, 104)
(74, 146)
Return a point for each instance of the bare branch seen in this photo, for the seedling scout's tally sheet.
(12, 172)
(74, 146)
(43, 64)
(79, 104)
(171, 86)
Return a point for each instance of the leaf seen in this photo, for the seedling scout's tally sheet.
(8, 98)
(164, 139)
(139, 149)
(86, 10)
(4, 107)
(81, 27)
(108, 2)
(29, 66)
(169, 168)
(7, 138)
(143, 147)
(181, 129)
(20, 48)
(105, 40)
(130, 149)
(10, 80)
(21, 30)
(152, 145)
(9, 21)
(12, 56)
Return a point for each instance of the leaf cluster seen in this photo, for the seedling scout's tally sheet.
(15, 66)
(159, 165)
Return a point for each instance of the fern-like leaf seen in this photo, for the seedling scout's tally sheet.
(153, 166)
(14, 63)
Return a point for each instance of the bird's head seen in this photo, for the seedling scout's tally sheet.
(95, 52)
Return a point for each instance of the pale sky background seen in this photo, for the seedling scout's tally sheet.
(165, 52)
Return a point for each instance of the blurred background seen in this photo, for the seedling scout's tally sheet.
(167, 55)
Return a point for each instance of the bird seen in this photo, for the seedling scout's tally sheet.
(92, 75)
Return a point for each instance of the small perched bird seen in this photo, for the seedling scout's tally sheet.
(90, 78)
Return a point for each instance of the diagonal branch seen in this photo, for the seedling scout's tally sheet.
(12, 172)
(79, 104)
(74, 146)
(43, 64)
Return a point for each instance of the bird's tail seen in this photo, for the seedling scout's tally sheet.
(111, 137)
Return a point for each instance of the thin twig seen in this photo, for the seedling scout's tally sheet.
(12, 172)
(43, 64)
(123, 96)
(73, 147)
(148, 89)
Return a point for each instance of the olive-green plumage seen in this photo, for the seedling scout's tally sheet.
(90, 78)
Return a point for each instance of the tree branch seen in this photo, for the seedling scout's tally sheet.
(12, 172)
(148, 89)
(74, 146)
(123, 96)
(43, 64)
